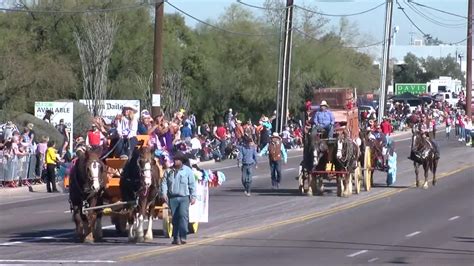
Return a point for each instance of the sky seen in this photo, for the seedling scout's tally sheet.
(371, 23)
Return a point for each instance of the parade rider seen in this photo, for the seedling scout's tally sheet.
(127, 128)
(427, 131)
(324, 119)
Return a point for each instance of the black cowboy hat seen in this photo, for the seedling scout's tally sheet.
(180, 156)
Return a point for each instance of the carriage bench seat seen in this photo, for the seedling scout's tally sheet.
(115, 163)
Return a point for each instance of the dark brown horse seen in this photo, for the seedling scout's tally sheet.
(88, 180)
(423, 153)
(139, 182)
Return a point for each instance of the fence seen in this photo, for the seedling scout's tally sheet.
(17, 170)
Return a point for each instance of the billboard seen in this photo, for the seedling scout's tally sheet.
(413, 88)
(61, 110)
(111, 108)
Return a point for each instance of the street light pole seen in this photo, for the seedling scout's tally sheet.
(469, 59)
(386, 59)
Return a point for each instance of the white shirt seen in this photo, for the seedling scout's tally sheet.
(468, 125)
(196, 144)
(127, 128)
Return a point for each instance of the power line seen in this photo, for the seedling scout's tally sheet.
(439, 10)
(98, 10)
(340, 15)
(217, 27)
(311, 11)
(434, 21)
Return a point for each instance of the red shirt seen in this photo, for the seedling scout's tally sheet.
(386, 127)
(94, 138)
(221, 132)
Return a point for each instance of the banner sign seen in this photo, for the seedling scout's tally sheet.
(199, 212)
(413, 88)
(60, 110)
(111, 108)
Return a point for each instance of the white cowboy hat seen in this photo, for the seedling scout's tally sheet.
(130, 106)
(238, 121)
(324, 103)
(275, 134)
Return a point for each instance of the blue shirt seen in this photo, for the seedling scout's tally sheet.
(323, 118)
(186, 132)
(179, 183)
(247, 155)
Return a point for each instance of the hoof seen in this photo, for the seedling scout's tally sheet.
(148, 238)
(434, 183)
(132, 240)
(425, 185)
(89, 240)
(140, 239)
(417, 184)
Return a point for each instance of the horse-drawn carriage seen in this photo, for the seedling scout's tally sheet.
(332, 158)
(98, 189)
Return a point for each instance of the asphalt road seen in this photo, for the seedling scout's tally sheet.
(34, 228)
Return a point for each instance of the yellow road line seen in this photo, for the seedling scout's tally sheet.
(299, 219)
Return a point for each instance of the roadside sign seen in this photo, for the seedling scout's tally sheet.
(413, 88)
(111, 108)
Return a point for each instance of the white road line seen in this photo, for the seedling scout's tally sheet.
(413, 234)
(290, 169)
(453, 218)
(11, 243)
(58, 261)
(373, 260)
(357, 253)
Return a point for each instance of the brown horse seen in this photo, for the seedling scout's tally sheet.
(348, 156)
(423, 153)
(88, 180)
(139, 182)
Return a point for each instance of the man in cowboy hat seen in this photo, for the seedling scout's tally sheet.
(276, 153)
(324, 119)
(178, 188)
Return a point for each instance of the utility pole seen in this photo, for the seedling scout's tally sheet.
(157, 57)
(284, 84)
(386, 60)
(469, 59)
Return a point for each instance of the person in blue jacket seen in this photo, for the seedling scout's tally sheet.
(324, 119)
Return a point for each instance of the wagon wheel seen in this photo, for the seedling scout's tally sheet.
(167, 225)
(120, 223)
(357, 179)
(193, 227)
(367, 169)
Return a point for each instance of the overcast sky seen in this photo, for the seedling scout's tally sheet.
(371, 23)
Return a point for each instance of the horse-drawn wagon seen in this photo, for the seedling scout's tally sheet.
(332, 158)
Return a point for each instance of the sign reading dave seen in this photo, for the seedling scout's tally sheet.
(60, 110)
(111, 108)
(413, 88)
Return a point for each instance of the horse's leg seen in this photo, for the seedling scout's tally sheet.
(98, 234)
(132, 226)
(426, 170)
(79, 224)
(140, 234)
(91, 218)
(416, 165)
(434, 166)
(149, 230)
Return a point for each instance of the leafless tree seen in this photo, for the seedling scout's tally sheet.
(174, 95)
(144, 86)
(94, 36)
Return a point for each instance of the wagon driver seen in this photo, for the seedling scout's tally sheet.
(127, 128)
(324, 119)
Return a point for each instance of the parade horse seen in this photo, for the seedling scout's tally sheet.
(87, 185)
(318, 153)
(423, 153)
(139, 186)
(378, 155)
(347, 155)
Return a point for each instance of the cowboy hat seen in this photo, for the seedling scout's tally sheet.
(275, 134)
(30, 126)
(238, 121)
(145, 114)
(324, 103)
(179, 156)
(130, 106)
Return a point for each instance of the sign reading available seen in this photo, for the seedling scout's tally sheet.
(413, 88)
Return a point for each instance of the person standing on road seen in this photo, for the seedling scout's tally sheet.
(178, 188)
(247, 160)
(52, 160)
(276, 153)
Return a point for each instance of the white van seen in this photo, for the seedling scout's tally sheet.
(451, 97)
